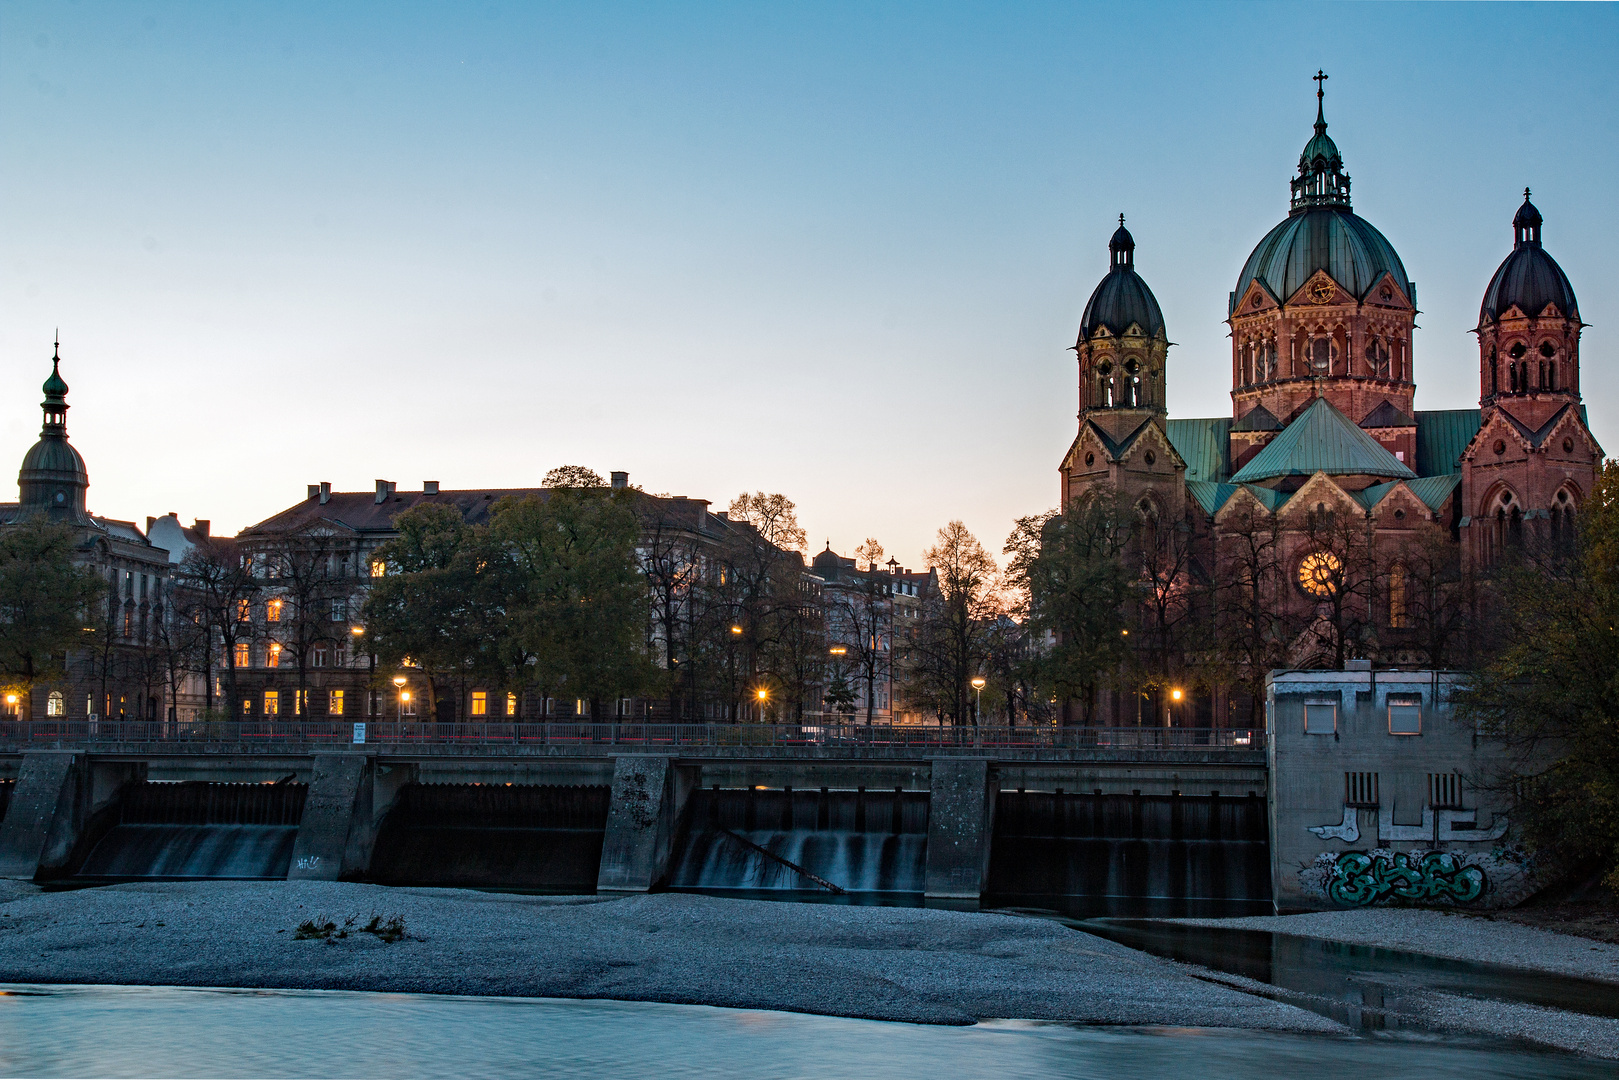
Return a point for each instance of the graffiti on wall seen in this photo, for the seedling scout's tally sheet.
(1359, 879)
(1438, 826)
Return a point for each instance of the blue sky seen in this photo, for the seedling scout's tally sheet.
(833, 251)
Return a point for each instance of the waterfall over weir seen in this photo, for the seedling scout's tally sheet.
(1131, 855)
(521, 836)
(199, 830)
(860, 841)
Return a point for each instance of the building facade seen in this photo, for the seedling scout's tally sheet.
(1357, 492)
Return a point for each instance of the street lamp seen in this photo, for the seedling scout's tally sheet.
(763, 697)
(978, 704)
(404, 695)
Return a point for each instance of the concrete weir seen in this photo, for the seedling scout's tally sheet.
(613, 818)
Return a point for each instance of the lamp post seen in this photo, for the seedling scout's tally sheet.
(978, 702)
(404, 696)
(1169, 714)
(764, 696)
(371, 676)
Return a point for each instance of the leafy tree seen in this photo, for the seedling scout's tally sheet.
(953, 639)
(44, 601)
(1071, 566)
(1552, 691)
(578, 601)
(573, 476)
(438, 605)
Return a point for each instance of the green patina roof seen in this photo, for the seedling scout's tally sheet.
(1204, 445)
(1442, 435)
(1434, 490)
(1370, 497)
(1322, 439)
(1211, 496)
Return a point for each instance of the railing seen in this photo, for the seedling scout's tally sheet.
(810, 738)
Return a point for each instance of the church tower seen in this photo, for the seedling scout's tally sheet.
(1533, 460)
(53, 479)
(1122, 349)
(1322, 308)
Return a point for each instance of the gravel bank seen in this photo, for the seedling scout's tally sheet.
(1438, 933)
(876, 963)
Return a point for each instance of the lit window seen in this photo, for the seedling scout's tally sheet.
(272, 655)
(247, 706)
(335, 705)
(1320, 717)
(272, 611)
(272, 703)
(244, 611)
(511, 704)
(378, 568)
(480, 703)
(243, 655)
(55, 704)
(129, 622)
(579, 707)
(300, 701)
(1405, 714)
(1397, 613)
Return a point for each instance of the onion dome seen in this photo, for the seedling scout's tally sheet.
(53, 478)
(1528, 279)
(1321, 232)
(1122, 298)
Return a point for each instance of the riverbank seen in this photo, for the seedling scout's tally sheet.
(1460, 936)
(908, 964)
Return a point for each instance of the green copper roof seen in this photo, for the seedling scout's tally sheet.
(1370, 497)
(1204, 445)
(1442, 435)
(1434, 490)
(1211, 496)
(1322, 439)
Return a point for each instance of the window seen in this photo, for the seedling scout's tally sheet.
(511, 704)
(340, 656)
(244, 611)
(247, 706)
(55, 704)
(580, 707)
(272, 703)
(318, 656)
(340, 610)
(300, 702)
(1321, 717)
(129, 622)
(480, 703)
(272, 655)
(1360, 789)
(378, 568)
(1445, 790)
(1405, 714)
(334, 704)
(243, 655)
(272, 611)
(1397, 613)
(1320, 573)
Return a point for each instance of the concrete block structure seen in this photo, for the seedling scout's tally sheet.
(1379, 794)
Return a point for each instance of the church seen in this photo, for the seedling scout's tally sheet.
(1325, 452)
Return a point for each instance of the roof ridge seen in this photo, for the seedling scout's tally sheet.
(1322, 439)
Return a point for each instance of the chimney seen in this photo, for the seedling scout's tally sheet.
(429, 487)
(385, 488)
(314, 490)
(201, 526)
(325, 492)
(150, 521)
(621, 480)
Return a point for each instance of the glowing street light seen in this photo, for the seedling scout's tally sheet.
(736, 629)
(978, 703)
(1176, 694)
(404, 696)
(838, 650)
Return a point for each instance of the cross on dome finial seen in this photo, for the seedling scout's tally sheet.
(1121, 219)
(1525, 194)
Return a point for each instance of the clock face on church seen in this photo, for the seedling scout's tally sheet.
(1322, 293)
(1319, 573)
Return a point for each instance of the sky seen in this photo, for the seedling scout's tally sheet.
(835, 251)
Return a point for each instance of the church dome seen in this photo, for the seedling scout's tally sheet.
(1528, 278)
(1321, 232)
(1333, 239)
(53, 458)
(1121, 298)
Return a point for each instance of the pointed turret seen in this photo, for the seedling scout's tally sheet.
(53, 478)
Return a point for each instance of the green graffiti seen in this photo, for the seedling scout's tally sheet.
(1359, 879)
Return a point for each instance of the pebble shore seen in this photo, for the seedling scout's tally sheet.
(908, 964)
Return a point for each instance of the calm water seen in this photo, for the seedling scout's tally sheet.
(136, 1031)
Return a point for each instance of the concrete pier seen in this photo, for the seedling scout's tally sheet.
(335, 836)
(961, 808)
(649, 795)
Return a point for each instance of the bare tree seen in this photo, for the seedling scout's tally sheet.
(306, 572)
(1250, 603)
(219, 583)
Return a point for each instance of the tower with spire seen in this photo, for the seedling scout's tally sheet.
(53, 479)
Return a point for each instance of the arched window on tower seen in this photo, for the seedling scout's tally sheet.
(1562, 523)
(1377, 358)
(1495, 374)
(1512, 377)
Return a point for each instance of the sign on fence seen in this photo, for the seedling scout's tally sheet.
(359, 733)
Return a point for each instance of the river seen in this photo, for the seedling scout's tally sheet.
(120, 1031)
